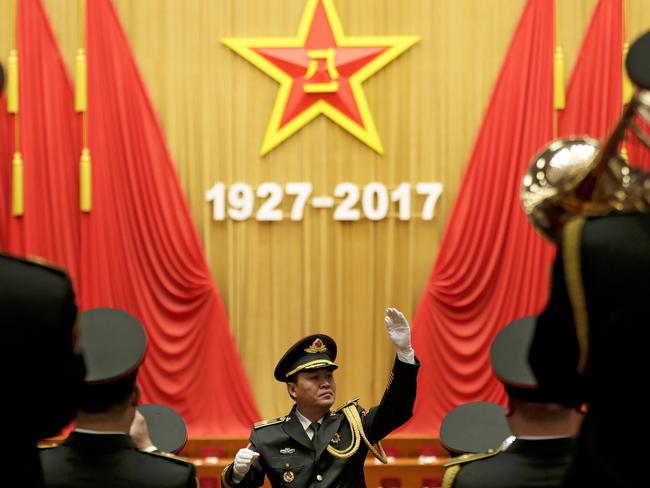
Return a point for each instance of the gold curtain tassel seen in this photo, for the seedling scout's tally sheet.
(559, 101)
(85, 181)
(81, 82)
(17, 182)
(12, 82)
(628, 87)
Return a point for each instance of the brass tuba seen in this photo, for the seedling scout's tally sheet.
(576, 176)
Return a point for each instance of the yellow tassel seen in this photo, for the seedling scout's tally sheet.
(558, 79)
(81, 85)
(85, 181)
(628, 87)
(17, 181)
(12, 82)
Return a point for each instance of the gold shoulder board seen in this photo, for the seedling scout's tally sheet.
(169, 456)
(468, 458)
(46, 446)
(355, 400)
(36, 261)
(266, 423)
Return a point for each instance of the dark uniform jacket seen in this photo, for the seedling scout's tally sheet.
(285, 448)
(614, 260)
(37, 316)
(111, 461)
(525, 463)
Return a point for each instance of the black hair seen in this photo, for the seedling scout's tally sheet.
(101, 397)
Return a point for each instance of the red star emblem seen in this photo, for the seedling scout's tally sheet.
(320, 71)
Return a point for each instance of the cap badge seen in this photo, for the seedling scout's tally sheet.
(316, 346)
(287, 450)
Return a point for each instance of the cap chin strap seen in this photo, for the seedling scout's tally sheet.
(356, 427)
(317, 363)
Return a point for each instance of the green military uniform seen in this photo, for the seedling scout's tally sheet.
(288, 457)
(590, 337)
(518, 462)
(37, 317)
(96, 460)
(114, 345)
(524, 463)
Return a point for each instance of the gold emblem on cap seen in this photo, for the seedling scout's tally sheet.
(316, 346)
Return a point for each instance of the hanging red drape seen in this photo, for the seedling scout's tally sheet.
(595, 88)
(141, 252)
(6, 151)
(492, 267)
(49, 143)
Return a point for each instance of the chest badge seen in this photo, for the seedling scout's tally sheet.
(288, 477)
(336, 438)
(287, 450)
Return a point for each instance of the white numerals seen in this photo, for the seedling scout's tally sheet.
(432, 191)
(376, 201)
(301, 191)
(345, 210)
(268, 210)
(240, 201)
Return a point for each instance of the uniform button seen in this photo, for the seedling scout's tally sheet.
(319, 477)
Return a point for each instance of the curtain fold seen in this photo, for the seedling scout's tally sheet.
(49, 143)
(492, 267)
(6, 151)
(140, 250)
(595, 88)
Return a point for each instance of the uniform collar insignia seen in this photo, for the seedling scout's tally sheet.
(336, 438)
(316, 346)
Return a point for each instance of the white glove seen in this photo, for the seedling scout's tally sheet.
(400, 333)
(243, 460)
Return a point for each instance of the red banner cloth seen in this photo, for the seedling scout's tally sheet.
(492, 266)
(140, 251)
(49, 142)
(6, 151)
(595, 89)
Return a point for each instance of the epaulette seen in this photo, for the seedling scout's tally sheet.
(36, 261)
(46, 445)
(355, 400)
(468, 458)
(169, 456)
(266, 423)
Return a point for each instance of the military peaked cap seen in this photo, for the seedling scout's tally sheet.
(636, 63)
(113, 343)
(166, 427)
(312, 352)
(474, 427)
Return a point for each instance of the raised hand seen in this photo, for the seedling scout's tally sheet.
(398, 329)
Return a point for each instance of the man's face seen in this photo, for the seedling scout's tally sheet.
(314, 389)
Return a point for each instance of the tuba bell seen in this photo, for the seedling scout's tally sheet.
(576, 176)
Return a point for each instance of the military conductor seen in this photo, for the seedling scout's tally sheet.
(315, 445)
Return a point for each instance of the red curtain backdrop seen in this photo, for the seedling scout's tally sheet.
(492, 267)
(595, 89)
(49, 144)
(140, 250)
(6, 151)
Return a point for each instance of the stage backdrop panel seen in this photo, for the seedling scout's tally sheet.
(282, 280)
